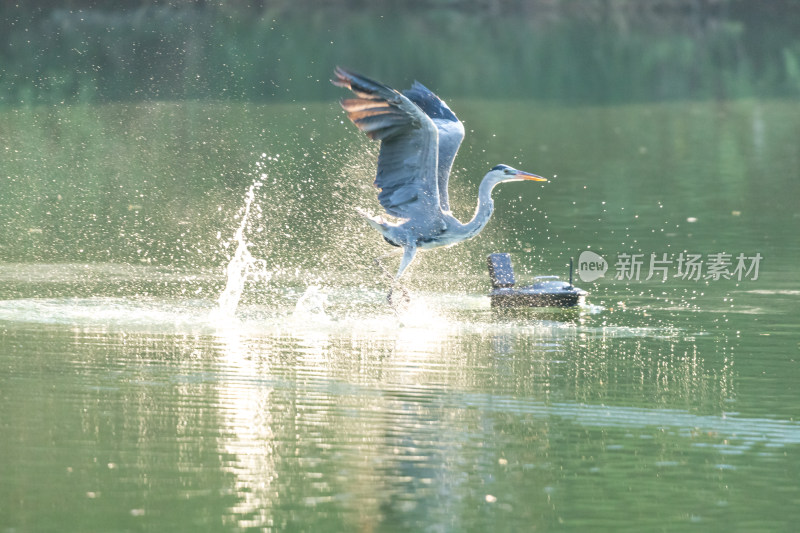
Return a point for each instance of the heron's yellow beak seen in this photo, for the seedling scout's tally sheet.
(527, 176)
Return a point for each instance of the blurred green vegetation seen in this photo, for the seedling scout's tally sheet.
(592, 51)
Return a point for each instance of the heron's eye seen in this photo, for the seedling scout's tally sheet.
(508, 171)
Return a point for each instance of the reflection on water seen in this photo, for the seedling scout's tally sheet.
(454, 421)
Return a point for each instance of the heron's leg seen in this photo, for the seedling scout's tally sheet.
(379, 263)
(405, 298)
(408, 256)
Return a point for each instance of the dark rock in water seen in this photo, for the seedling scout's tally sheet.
(548, 292)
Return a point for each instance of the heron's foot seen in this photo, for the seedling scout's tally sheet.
(399, 298)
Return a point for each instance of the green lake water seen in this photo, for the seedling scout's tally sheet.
(128, 402)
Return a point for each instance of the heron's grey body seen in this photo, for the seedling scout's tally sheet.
(419, 137)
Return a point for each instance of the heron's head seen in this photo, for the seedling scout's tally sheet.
(504, 173)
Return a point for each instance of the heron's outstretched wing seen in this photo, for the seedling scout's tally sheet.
(409, 139)
(451, 133)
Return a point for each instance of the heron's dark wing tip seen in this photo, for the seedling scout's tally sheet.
(363, 85)
(377, 109)
(341, 77)
(431, 105)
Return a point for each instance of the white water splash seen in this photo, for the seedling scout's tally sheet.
(311, 305)
(242, 266)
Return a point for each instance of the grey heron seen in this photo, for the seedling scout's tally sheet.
(419, 138)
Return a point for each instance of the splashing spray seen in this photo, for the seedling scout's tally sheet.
(311, 306)
(242, 266)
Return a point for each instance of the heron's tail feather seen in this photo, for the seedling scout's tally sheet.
(379, 223)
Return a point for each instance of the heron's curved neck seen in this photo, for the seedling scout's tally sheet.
(484, 210)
